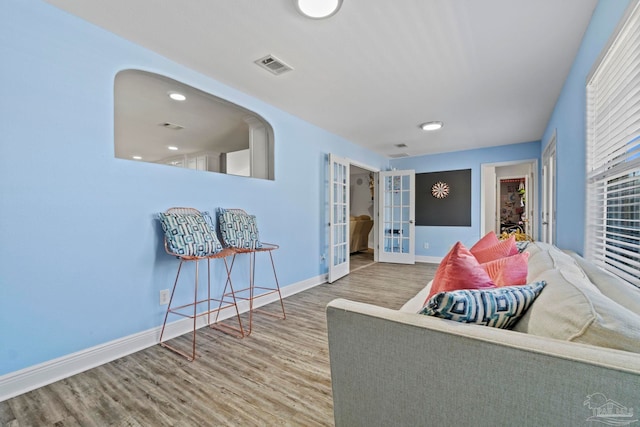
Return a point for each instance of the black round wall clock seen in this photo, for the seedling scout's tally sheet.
(440, 190)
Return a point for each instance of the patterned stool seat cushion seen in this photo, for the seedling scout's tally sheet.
(238, 229)
(190, 234)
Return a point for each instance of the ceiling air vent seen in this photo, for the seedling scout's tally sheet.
(273, 65)
(171, 126)
(401, 145)
(397, 156)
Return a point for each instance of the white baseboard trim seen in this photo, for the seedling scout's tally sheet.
(33, 377)
(429, 259)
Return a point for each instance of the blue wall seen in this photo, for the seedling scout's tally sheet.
(441, 239)
(569, 120)
(81, 259)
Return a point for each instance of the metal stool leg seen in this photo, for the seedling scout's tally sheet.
(190, 357)
(194, 314)
(173, 291)
(253, 287)
(284, 315)
(237, 332)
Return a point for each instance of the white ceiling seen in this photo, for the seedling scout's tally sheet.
(492, 70)
(142, 107)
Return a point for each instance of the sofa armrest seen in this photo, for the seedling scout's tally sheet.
(395, 368)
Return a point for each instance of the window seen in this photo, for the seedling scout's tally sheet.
(613, 155)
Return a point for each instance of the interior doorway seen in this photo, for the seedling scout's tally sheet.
(342, 172)
(549, 192)
(512, 204)
(361, 217)
(508, 199)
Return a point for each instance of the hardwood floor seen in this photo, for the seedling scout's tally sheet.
(360, 260)
(277, 376)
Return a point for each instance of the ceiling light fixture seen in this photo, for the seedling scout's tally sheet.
(318, 9)
(136, 157)
(172, 148)
(431, 125)
(177, 96)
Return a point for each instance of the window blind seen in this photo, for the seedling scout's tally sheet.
(613, 156)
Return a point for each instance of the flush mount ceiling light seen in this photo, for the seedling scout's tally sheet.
(136, 157)
(177, 96)
(431, 125)
(172, 148)
(318, 9)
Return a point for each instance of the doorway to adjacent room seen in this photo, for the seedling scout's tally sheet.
(361, 217)
(508, 197)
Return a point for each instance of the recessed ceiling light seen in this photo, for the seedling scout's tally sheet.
(172, 148)
(431, 125)
(136, 158)
(318, 9)
(177, 96)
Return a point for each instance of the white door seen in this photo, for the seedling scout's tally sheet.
(338, 217)
(548, 193)
(396, 228)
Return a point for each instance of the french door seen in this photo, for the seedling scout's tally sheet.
(338, 218)
(549, 193)
(396, 228)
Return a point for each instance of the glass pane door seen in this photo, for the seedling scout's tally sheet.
(338, 218)
(397, 213)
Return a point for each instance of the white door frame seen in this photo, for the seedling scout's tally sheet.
(549, 174)
(342, 269)
(375, 218)
(489, 181)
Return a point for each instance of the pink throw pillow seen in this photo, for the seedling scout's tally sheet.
(487, 241)
(508, 271)
(459, 270)
(499, 250)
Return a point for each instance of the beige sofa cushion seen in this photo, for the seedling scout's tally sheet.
(572, 308)
(622, 292)
(544, 257)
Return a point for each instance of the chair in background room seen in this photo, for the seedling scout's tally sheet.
(239, 232)
(359, 229)
(190, 236)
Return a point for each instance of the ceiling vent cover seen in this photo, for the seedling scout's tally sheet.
(273, 65)
(397, 156)
(171, 126)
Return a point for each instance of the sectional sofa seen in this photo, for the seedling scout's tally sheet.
(571, 359)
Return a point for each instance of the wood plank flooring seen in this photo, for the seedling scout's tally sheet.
(360, 260)
(278, 376)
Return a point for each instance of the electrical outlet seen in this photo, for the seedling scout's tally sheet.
(425, 245)
(164, 297)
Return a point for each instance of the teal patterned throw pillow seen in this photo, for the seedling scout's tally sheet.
(497, 307)
(238, 229)
(190, 234)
